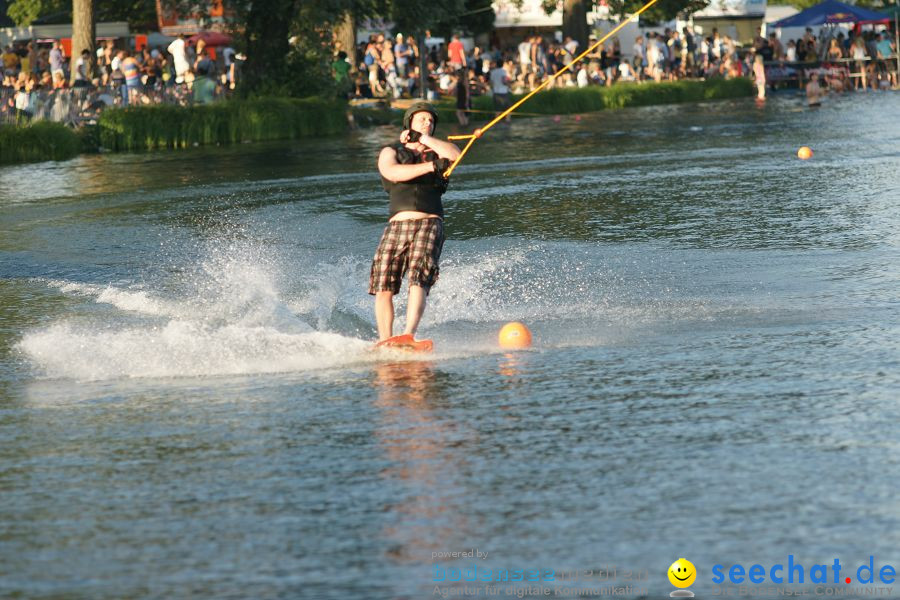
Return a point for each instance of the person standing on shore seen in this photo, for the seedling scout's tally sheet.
(82, 69)
(132, 72)
(500, 80)
(412, 173)
(11, 62)
(56, 60)
(885, 50)
(371, 59)
(402, 53)
(463, 96)
(639, 61)
(456, 54)
(179, 58)
(759, 76)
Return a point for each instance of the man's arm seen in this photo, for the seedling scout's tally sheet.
(442, 148)
(391, 170)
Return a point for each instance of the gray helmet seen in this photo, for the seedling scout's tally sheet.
(417, 107)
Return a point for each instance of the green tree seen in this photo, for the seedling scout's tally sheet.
(84, 36)
(575, 21)
(267, 31)
(478, 16)
(416, 15)
(289, 42)
(140, 14)
(25, 12)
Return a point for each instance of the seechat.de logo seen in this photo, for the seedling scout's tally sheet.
(795, 572)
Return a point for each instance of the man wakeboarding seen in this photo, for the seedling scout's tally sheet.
(412, 173)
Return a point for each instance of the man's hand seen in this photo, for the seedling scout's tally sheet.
(410, 136)
(441, 165)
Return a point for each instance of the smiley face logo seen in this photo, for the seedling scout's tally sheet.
(682, 573)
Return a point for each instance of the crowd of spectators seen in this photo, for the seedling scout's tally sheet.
(388, 67)
(38, 79)
(391, 66)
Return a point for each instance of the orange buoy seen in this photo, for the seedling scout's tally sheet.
(514, 335)
(804, 153)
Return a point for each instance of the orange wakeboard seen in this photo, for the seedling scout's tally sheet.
(405, 343)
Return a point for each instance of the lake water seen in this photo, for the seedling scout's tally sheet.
(188, 406)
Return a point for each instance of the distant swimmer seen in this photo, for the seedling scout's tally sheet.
(412, 173)
(814, 92)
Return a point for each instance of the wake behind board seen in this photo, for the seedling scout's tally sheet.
(405, 343)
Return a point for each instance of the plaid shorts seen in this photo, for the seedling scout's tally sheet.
(412, 246)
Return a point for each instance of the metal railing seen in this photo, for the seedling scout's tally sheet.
(780, 71)
(82, 105)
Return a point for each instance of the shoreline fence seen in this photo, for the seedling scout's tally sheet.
(798, 73)
(80, 106)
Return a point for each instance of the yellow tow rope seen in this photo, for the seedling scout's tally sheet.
(480, 132)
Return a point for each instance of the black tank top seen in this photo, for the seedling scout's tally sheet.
(421, 194)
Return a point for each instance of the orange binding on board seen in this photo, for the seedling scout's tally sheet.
(406, 343)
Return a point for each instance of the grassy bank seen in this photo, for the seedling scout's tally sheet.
(228, 122)
(560, 101)
(41, 141)
(261, 119)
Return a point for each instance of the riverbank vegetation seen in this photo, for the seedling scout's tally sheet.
(233, 121)
(42, 140)
(161, 126)
(560, 101)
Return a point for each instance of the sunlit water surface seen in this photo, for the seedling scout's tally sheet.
(189, 406)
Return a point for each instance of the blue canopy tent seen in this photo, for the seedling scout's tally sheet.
(830, 12)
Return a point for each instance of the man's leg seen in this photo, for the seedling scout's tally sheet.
(384, 314)
(415, 309)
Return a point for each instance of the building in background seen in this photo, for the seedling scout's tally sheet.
(105, 31)
(171, 22)
(513, 23)
(738, 19)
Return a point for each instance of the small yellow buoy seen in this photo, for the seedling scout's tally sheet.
(804, 153)
(514, 335)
